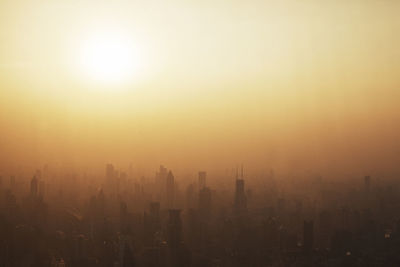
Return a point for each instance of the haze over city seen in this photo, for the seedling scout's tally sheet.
(135, 103)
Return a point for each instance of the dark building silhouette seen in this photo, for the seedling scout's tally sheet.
(205, 202)
(34, 186)
(170, 190)
(178, 254)
(124, 219)
(127, 257)
(308, 236)
(202, 179)
(155, 210)
(160, 182)
(79, 224)
(154, 220)
(174, 228)
(240, 203)
(110, 172)
(191, 196)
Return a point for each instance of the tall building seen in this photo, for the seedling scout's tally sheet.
(127, 259)
(178, 254)
(34, 186)
(170, 190)
(174, 228)
(100, 205)
(308, 235)
(190, 197)
(160, 181)
(152, 224)
(155, 220)
(110, 181)
(240, 203)
(123, 217)
(202, 179)
(205, 202)
(110, 171)
(155, 210)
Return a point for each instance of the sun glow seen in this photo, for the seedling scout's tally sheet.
(110, 58)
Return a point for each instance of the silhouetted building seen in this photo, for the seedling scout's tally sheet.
(191, 197)
(240, 204)
(178, 254)
(34, 186)
(155, 210)
(110, 172)
(126, 256)
(154, 217)
(205, 202)
(174, 228)
(308, 236)
(202, 179)
(123, 214)
(160, 182)
(170, 190)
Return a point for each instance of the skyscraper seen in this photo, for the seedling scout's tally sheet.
(308, 235)
(34, 186)
(110, 181)
(170, 190)
(155, 210)
(178, 254)
(174, 228)
(202, 179)
(240, 203)
(205, 202)
(160, 181)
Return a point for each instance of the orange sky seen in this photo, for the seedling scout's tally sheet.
(307, 85)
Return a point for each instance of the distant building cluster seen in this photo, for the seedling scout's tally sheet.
(64, 218)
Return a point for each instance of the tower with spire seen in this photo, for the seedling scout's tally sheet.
(170, 190)
(240, 201)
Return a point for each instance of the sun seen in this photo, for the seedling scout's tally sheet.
(109, 57)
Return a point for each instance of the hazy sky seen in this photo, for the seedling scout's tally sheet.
(297, 84)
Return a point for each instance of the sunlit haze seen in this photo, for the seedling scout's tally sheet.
(223, 133)
(291, 84)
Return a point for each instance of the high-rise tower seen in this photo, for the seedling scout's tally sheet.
(202, 179)
(308, 235)
(170, 190)
(240, 204)
(34, 186)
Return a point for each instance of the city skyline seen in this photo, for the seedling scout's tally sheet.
(171, 133)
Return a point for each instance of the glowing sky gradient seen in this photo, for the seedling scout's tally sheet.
(295, 84)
